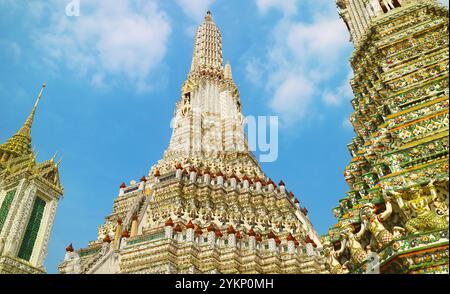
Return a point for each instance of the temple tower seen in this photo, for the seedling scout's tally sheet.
(396, 211)
(206, 206)
(29, 195)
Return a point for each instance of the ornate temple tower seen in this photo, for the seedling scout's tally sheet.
(394, 219)
(206, 207)
(29, 195)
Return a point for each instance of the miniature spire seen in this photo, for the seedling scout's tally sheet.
(20, 143)
(69, 248)
(208, 16)
(59, 161)
(134, 225)
(54, 156)
(26, 128)
(227, 72)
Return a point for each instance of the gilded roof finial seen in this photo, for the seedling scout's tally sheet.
(54, 156)
(26, 128)
(20, 143)
(59, 161)
(208, 16)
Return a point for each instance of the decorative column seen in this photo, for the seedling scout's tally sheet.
(218, 234)
(231, 237)
(258, 240)
(309, 249)
(179, 170)
(252, 240)
(271, 239)
(271, 185)
(199, 175)
(233, 182)
(122, 189)
(190, 232)
(199, 234)
(178, 231)
(220, 178)
(211, 235)
(238, 236)
(277, 243)
(258, 185)
(192, 175)
(134, 225)
(310, 245)
(207, 177)
(168, 229)
(142, 183)
(117, 234)
(291, 244)
(282, 187)
(246, 182)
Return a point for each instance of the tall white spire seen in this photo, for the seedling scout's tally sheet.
(208, 122)
(20, 143)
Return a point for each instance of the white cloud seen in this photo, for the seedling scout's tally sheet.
(324, 38)
(287, 7)
(254, 70)
(292, 98)
(112, 41)
(195, 9)
(303, 60)
(445, 2)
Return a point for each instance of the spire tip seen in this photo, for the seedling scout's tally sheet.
(208, 15)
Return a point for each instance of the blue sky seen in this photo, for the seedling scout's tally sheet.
(114, 74)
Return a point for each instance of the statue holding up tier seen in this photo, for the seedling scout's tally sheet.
(374, 223)
(419, 202)
(332, 259)
(350, 241)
